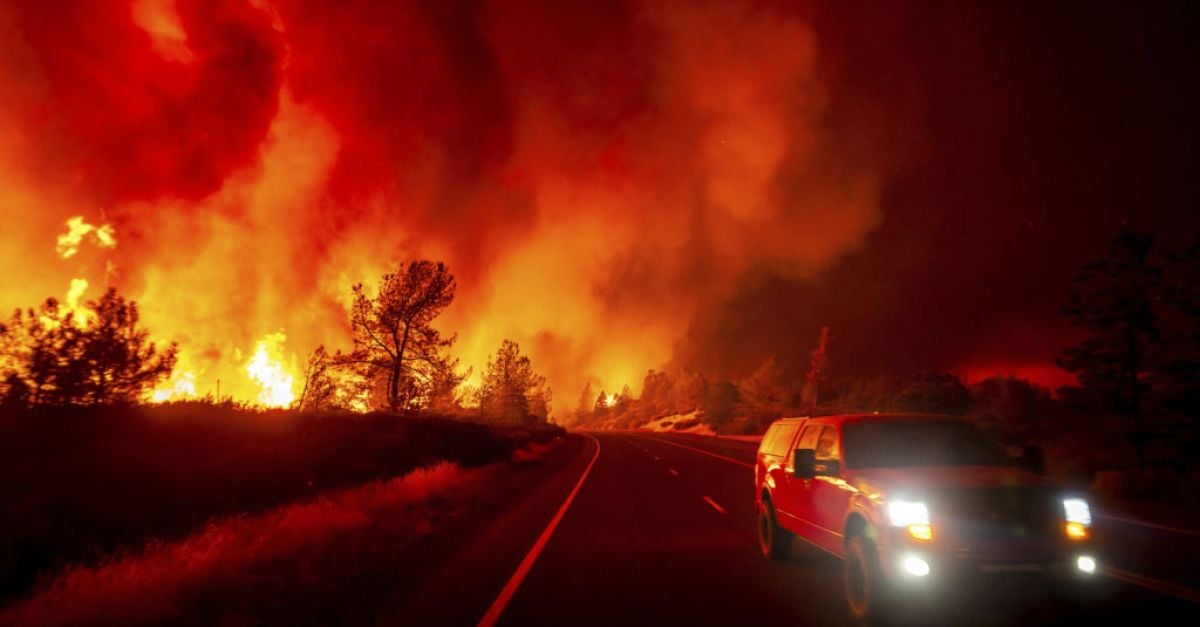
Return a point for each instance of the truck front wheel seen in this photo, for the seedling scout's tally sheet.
(863, 580)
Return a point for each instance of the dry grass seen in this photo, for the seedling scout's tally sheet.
(80, 484)
(153, 585)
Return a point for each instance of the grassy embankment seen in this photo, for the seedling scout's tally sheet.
(82, 484)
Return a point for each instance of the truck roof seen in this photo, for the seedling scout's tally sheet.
(878, 416)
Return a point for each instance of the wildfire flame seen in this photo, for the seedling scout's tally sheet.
(78, 229)
(266, 369)
(67, 246)
(74, 294)
(181, 386)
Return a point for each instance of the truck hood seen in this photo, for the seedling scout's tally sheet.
(893, 480)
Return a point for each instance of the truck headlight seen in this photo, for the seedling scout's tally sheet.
(1077, 510)
(1079, 518)
(913, 516)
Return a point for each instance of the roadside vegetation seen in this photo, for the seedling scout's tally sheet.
(81, 483)
(331, 540)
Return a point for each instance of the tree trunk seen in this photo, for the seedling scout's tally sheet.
(101, 388)
(304, 391)
(394, 387)
(397, 367)
(1135, 399)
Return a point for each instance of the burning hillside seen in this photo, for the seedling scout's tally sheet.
(594, 175)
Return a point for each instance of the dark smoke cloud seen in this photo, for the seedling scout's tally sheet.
(124, 123)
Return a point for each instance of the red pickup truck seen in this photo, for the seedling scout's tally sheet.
(912, 500)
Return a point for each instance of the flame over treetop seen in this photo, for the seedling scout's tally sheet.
(78, 229)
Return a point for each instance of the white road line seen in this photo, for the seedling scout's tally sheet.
(1142, 523)
(700, 450)
(1157, 585)
(714, 504)
(673, 471)
(518, 576)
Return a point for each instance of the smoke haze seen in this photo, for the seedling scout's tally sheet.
(617, 186)
(594, 175)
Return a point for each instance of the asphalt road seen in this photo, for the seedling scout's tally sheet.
(660, 532)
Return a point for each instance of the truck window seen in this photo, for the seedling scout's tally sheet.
(827, 445)
(903, 443)
(769, 437)
(809, 438)
(782, 439)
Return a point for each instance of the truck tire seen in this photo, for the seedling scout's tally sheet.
(863, 581)
(774, 542)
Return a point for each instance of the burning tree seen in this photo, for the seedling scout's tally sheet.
(658, 393)
(394, 340)
(720, 402)
(583, 410)
(94, 355)
(320, 389)
(767, 387)
(444, 385)
(511, 390)
(815, 379)
(603, 404)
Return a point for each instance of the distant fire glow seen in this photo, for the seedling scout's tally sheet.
(181, 387)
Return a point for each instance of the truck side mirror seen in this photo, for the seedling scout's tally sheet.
(1033, 459)
(804, 463)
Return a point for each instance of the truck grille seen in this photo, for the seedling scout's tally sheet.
(1000, 514)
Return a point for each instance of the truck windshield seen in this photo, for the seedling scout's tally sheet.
(904, 443)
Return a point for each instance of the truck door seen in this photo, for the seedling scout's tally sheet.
(794, 503)
(829, 493)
